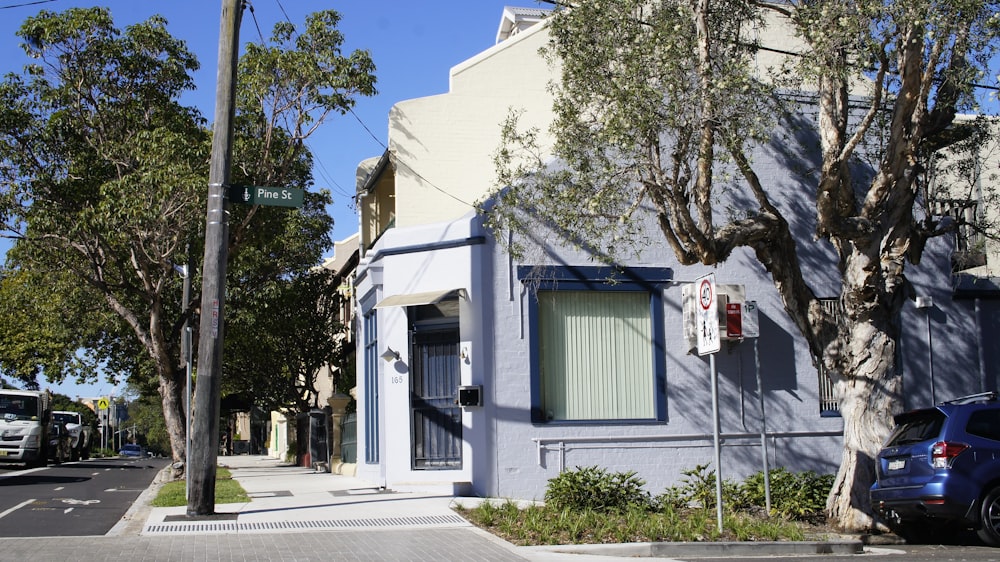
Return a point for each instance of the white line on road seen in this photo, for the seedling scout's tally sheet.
(60, 488)
(68, 509)
(15, 508)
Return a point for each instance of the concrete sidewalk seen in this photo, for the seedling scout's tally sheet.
(289, 498)
(300, 515)
(386, 525)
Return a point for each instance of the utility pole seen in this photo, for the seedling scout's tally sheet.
(205, 427)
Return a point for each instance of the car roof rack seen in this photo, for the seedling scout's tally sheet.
(980, 397)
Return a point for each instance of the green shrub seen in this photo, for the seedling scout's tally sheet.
(597, 489)
(793, 495)
(697, 488)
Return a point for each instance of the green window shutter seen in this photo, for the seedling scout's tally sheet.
(596, 355)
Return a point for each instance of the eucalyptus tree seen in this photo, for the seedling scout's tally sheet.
(662, 105)
(103, 178)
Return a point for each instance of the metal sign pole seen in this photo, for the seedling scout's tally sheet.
(763, 430)
(709, 343)
(716, 437)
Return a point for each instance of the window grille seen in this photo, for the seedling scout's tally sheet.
(969, 242)
(829, 404)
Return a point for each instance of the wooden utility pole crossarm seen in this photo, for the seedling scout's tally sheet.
(205, 426)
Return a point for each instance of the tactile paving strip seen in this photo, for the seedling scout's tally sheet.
(316, 525)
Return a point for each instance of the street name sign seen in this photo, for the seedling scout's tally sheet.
(271, 196)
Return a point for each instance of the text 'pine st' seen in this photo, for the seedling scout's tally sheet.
(272, 196)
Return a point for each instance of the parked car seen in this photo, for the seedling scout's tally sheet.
(132, 452)
(941, 466)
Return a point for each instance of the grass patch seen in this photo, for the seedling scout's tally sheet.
(227, 490)
(546, 525)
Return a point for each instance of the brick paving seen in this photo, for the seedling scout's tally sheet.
(414, 545)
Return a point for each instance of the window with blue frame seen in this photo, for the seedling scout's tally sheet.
(371, 365)
(597, 345)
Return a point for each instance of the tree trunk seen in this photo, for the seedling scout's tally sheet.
(172, 393)
(869, 391)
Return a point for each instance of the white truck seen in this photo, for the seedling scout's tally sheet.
(79, 433)
(24, 426)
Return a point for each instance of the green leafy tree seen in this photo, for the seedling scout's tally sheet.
(296, 323)
(661, 105)
(102, 186)
(145, 413)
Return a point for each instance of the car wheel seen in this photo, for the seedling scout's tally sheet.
(989, 515)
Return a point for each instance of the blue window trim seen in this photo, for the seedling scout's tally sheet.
(371, 419)
(590, 278)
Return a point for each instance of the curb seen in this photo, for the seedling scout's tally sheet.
(135, 518)
(707, 549)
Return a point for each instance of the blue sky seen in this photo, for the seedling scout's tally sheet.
(413, 45)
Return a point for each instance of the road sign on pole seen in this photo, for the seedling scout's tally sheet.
(707, 315)
(709, 343)
(271, 196)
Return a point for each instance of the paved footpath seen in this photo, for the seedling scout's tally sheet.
(298, 514)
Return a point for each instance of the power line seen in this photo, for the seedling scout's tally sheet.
(377, 140)
(26, 4)
(370, 133)
(282, 8)
(256, 23)
(409, 167)
(327, 176)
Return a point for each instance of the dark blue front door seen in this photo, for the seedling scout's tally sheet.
(436, 417)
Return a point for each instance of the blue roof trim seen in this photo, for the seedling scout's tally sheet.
(595, 275)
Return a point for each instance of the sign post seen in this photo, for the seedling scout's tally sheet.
(750, 328)
(710, 342)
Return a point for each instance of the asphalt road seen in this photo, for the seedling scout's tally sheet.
(85, 498)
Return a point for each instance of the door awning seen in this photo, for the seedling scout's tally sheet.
(417, 299)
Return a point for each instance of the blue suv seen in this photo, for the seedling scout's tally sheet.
(942, 465)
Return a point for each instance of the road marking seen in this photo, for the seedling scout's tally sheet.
(15, 508)
(60, 488)
(21, 472)
(80, 502)
(68, 509)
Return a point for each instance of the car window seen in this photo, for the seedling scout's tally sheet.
(913, 427)
(985, 423)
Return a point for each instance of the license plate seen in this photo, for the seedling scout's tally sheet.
(898, 464)
(3, 453)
